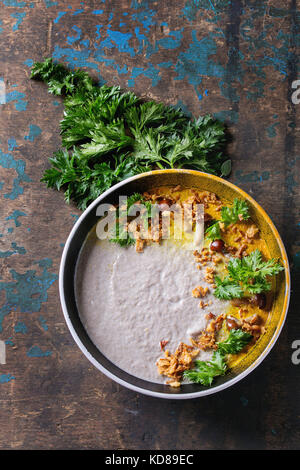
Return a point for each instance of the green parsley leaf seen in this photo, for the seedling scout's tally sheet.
(213, 232)
(236, 341)
(226, 168)
(205, 371)
(239, 211)
(227, 289)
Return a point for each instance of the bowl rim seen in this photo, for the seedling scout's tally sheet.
(166, 395)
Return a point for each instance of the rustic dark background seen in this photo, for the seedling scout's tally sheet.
(236, 59)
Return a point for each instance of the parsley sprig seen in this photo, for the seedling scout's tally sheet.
(205, 371)
(246, 276)
(109, 135)
(235, 342)
(229, 215)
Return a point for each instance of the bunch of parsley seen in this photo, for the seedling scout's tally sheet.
(205, 371)
(109, 135)
(246, 275)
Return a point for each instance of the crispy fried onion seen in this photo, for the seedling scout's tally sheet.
(173, 365)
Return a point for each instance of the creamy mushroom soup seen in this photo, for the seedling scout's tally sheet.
(165, 313)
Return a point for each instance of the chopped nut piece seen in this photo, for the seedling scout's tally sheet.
(139, 245)
(243, 311)
(200, 291)
(206, 341)
(252, 231)
(254, 320)
(252, 325)
(209, 316)
(240, 251)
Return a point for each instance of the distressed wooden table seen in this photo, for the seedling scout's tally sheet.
(236, 59)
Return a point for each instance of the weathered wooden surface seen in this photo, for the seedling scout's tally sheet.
(236, 59)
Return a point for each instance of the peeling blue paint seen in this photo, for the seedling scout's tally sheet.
(15, 215)
(50, 3)
(76, 217)
(14, 3)
(27, 291)
(290, 184)
(217, 7)
(196, 62)
(85, 42)
(253, 177)
(19, 16)
(59, 16)
(20, 327)
(20, 250)
(119, 40)
(17, 96)
(173, 41)
(77, 12)
(98, 34)
(4, 378)
(34, 131)
(149, 72)
(271, 130)
(36, 351)
(144, 15)
(165, 65)
(72, 39)
(7, 161)
(12, 144)
(43, 323)
(258, 89)
(228, 115)
(141, 39)
(74, 58)
(28, 62)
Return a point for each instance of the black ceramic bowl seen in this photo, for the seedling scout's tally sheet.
(88, 219)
